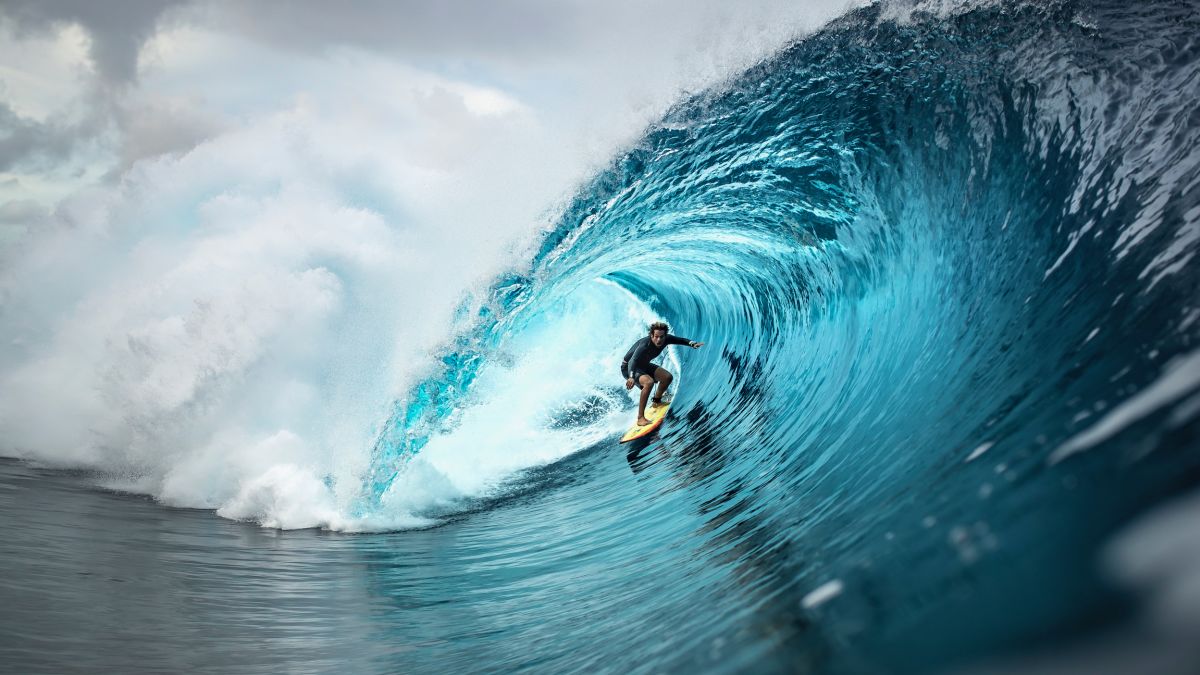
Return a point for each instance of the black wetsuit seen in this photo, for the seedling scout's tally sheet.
(637, 359)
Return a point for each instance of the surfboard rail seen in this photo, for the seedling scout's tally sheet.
(654, 413)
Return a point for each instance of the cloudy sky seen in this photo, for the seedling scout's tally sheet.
(87, 89)
(231, 233)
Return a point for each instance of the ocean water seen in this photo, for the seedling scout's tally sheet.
(943, 258)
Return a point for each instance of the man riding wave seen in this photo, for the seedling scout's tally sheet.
(637, 368)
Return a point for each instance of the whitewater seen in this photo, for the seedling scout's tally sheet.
(943, 258)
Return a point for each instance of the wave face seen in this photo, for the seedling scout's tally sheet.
(945, 267)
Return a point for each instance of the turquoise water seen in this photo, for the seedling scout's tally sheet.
(945, 270)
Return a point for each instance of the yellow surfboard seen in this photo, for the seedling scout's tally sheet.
(654, 413)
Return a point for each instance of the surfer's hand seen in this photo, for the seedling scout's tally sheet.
(629, 383)
(696, 345)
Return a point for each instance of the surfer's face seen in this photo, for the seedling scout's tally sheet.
(658, 337)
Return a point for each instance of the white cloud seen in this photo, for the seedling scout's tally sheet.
(44, 74)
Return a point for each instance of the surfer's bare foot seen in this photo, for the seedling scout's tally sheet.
(642, 421)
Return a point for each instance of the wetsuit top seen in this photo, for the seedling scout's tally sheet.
(637, 359)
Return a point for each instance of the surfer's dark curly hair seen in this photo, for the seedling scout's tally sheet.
(659, 325)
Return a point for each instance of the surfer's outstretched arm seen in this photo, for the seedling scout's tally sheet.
(676, 340)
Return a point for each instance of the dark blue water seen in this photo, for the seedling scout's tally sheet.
(945, 269)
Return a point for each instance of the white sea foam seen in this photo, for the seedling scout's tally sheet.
(977, 452)
(822, 594)
(516, 415)
(1181, 376)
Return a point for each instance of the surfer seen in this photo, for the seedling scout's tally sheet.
(638, 370)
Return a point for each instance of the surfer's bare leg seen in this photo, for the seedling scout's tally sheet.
(647, 383)
(664, 380)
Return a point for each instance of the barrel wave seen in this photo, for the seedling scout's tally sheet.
(944, 264)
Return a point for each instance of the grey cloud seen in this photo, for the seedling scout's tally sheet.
(145, 131)
(508, 31)
(543, 46)
(161, 128)
(117, 29)
(20, 212)
(530, 43)
(24, 141)
(513, 30)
